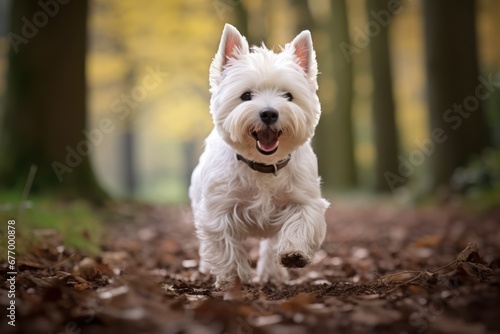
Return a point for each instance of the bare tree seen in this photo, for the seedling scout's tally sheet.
(334, 139)
(45, 114)
(384, 123)
(452, 78)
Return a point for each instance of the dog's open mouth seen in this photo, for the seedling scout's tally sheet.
(267, 140)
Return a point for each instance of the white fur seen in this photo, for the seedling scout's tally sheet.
(230, 201)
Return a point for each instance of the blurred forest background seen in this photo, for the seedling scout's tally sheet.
(104, 106)
(110, 97)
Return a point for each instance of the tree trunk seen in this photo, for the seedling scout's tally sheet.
(452, 78)
(334, 143)
(384, 123)
(129, 140)
(45, 114)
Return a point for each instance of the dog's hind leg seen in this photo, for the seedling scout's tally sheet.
(225, 258)
(204, 266)
(268, 268)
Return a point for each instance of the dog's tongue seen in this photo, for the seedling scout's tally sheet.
(267, 140)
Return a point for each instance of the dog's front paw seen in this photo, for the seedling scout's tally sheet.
(271, 272)
(221, 283)
(294, 259)
(274, 273)
(226, 280)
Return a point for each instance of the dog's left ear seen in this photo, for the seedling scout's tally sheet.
(232, 45)
(303, 50)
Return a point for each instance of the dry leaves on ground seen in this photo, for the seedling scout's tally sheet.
(380, 270)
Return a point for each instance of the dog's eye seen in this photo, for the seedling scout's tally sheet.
(246, 96)
(289, 96)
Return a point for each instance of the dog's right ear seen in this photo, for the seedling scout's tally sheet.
(232, 45)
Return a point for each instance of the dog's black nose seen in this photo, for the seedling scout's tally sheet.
(269, 115)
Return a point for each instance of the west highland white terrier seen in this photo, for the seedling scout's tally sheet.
(258, 176)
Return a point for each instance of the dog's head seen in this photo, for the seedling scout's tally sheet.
(264, 104)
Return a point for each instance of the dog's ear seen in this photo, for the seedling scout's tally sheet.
(303, 50)
(232, 45)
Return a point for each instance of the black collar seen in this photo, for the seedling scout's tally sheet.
(263, 168)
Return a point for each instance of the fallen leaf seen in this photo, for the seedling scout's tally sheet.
(81, 286)
(476, 270)
(87, 268)
(373, 315)
(448, 325)
(470, 254)
(110, 293)
(234, 291)
(299, 303)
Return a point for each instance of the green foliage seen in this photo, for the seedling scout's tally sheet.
(479, 181)
(44, 221)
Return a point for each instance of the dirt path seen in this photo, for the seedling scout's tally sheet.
(381, 270)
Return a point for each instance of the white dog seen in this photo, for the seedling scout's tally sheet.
(258, 176)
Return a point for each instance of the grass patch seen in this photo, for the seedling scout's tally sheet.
(43, 221)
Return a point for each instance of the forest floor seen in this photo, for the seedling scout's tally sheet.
(381, 270)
